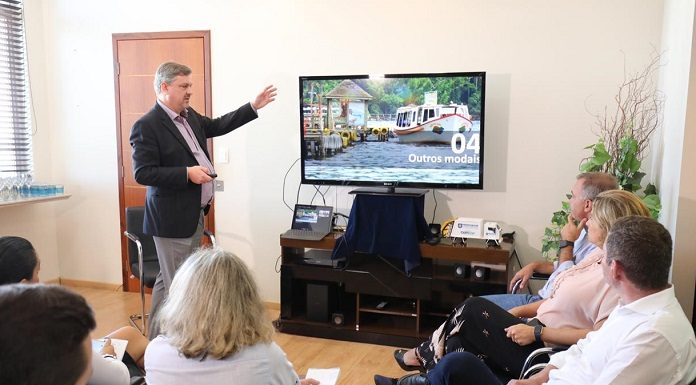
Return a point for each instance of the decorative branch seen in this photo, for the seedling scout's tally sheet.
(624, 137)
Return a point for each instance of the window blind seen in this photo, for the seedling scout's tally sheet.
(15, 124)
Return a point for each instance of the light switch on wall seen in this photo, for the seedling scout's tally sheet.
(219, 185)
(222, 155)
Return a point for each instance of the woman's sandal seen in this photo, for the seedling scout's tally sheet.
(399, 357)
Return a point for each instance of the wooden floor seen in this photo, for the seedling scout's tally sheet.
(358, 362)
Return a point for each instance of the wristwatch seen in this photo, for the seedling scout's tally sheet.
(563, 243)
(538, 329)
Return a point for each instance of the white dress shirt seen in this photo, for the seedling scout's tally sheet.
(648, 341)
(261, 364)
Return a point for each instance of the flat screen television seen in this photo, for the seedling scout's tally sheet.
(396, 130)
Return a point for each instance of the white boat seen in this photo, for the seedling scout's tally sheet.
(435, 123)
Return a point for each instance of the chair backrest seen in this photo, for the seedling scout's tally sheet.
(134, 225)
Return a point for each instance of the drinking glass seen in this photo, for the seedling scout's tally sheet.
(28, 179)
(4, 189)
(14, 187)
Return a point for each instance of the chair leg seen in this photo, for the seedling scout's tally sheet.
(136, 320)
(143, 316)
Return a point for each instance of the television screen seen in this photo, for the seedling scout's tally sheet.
(400, 130)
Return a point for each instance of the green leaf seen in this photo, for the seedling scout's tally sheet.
(650, 189)
(637, 177)
(588, 167)
(651, 200)
(560, 218)
(600, 154)
(545, 247)
(654, 205)
(628, 161)
(599, 157)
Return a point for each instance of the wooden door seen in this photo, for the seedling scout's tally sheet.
(136, 58)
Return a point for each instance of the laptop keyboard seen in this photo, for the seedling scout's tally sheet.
(304, 234)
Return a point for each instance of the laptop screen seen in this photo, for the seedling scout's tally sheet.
(312, 218)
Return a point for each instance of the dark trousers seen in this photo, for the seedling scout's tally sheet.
(478, 326)
(463, 368)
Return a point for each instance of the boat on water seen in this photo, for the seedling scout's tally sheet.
(434, 123)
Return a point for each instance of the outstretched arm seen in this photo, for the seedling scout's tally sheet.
(266, 96)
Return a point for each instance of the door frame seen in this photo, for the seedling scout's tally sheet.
(129, 284)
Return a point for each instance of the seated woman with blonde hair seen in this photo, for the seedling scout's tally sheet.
(215, 330)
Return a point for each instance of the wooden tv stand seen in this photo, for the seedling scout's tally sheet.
(371, 300)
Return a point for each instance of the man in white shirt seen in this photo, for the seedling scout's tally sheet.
(646, 339)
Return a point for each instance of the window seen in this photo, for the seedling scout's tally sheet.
(15, 124)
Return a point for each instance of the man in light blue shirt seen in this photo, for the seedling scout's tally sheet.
(574, 245)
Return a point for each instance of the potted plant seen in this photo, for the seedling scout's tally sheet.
(623, 138)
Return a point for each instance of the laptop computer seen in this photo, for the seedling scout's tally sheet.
(310, 223)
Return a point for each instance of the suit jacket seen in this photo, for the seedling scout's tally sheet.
(160, 158)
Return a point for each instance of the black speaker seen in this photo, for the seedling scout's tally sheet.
(434, 229)
(318, 302)
(434, 237)
(461, 270)
(480, 273)
(337, 319)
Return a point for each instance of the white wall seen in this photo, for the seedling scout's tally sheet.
(676, 158)
(37, 222)
(548, 64)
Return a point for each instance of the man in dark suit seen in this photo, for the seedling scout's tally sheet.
(171, 158)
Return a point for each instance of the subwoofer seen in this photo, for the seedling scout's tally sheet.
(318, 302)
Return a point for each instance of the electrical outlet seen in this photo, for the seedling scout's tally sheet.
(219, 185)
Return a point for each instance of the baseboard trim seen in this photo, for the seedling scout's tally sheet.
(89, 284)
(116, 287)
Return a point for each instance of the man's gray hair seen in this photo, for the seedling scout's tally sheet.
(597, 182)
(166, 73)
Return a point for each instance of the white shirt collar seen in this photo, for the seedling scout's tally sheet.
(651, 303)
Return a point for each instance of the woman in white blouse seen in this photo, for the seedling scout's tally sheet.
(215, 330)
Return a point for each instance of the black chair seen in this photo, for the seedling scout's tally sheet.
(142, 258)
(538, 359)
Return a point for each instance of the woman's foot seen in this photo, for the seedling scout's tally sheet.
(407, 360)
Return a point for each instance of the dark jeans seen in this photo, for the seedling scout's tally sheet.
(462, 368)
